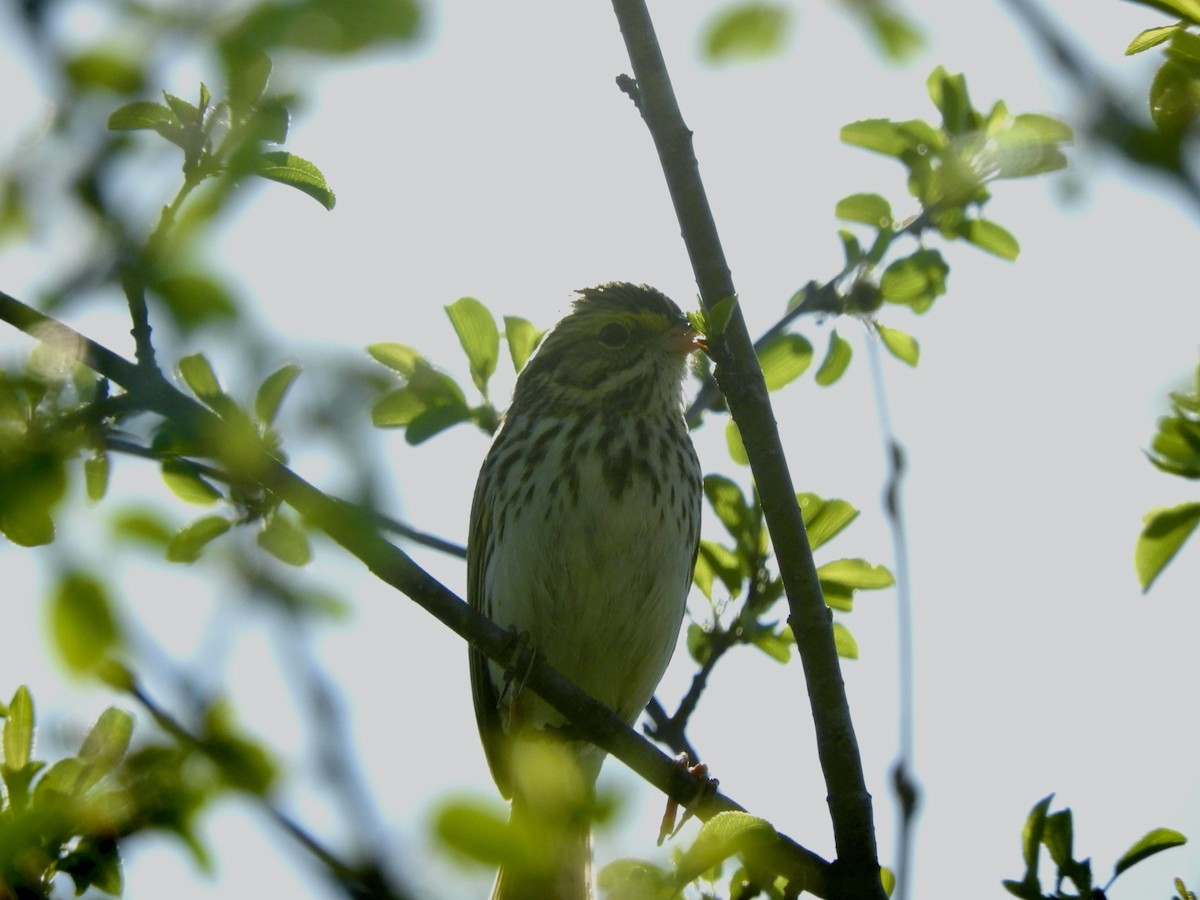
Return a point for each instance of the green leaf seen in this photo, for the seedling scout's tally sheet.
(94, 862)
(105, 68)
(851, 248)
(271, 392)
(141, 526)
(1164, 532)
(902, 346)
(987, 235)
(949, 94)
(869, 209)
(1152, 37)
(843, 640)
(185, 484)
(105, 744)
(699, 643)
(480, 339)
(824, 519)
(776, 644)
(746, 31)
(140, 115)
(837, 360)
(1031, 840)
(721, 562)
(285, 540)
(194, 299)
(733, 442)
(731, 508)
(477, 829)
(82, 622)
(784, 359)
(717, 318)
(434, 420)
(722, 836)
(183, 112)
(880, 135)
(18, 730)
(197, 372)
(189, 542)
(397, 408)
(1058, 836)
(856, 574)
(397, 357)
(95, 475)
(523, 337)
(897, 36)
(1154, 842)
(1175, 97)
(916, 280)
(292, 170)
(1184, 46)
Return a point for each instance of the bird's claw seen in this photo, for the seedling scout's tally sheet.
(668, 828)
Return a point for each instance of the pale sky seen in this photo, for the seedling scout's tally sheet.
(499, 160)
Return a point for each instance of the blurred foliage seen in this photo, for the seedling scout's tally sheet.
(1176, 451)
(1055, 832)
(1174, 97)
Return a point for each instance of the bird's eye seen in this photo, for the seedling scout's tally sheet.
(614, 336)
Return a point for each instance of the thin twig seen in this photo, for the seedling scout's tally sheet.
(907, 788)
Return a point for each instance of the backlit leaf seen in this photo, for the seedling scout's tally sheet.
(987, 235)
(285, 540)
(824, 519)
(837, 360)
(140, 115)
(18, 730)
(869, 209)
(746, 31)
(1154, 842)
(398, 357)
(1151, 37)
(843, 640)
(856, 574)
(189, 542)
(292, 170)
(82, 621)
(784, 359)
(1165, 530)
(270, 394)
(480, 338)
(186, 484)
(523, 337)
(901, 345)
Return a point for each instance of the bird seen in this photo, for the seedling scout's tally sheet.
(584, 528)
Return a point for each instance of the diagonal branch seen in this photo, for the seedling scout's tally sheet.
(357, 534)
(738, 374)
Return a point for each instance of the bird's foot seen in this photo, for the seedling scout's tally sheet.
(708, 787)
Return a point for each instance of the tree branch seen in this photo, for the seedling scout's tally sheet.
(357, 534)
(737, 372)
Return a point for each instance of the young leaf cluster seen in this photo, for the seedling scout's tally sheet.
(1176, 451)
(50, 413)
(950, 165)
(1174, 96)
(742, 569)
(279, 533)
(227, 137)
(429, 400)
(1055, 832)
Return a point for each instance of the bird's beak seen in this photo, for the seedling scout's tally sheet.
(683, 338)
